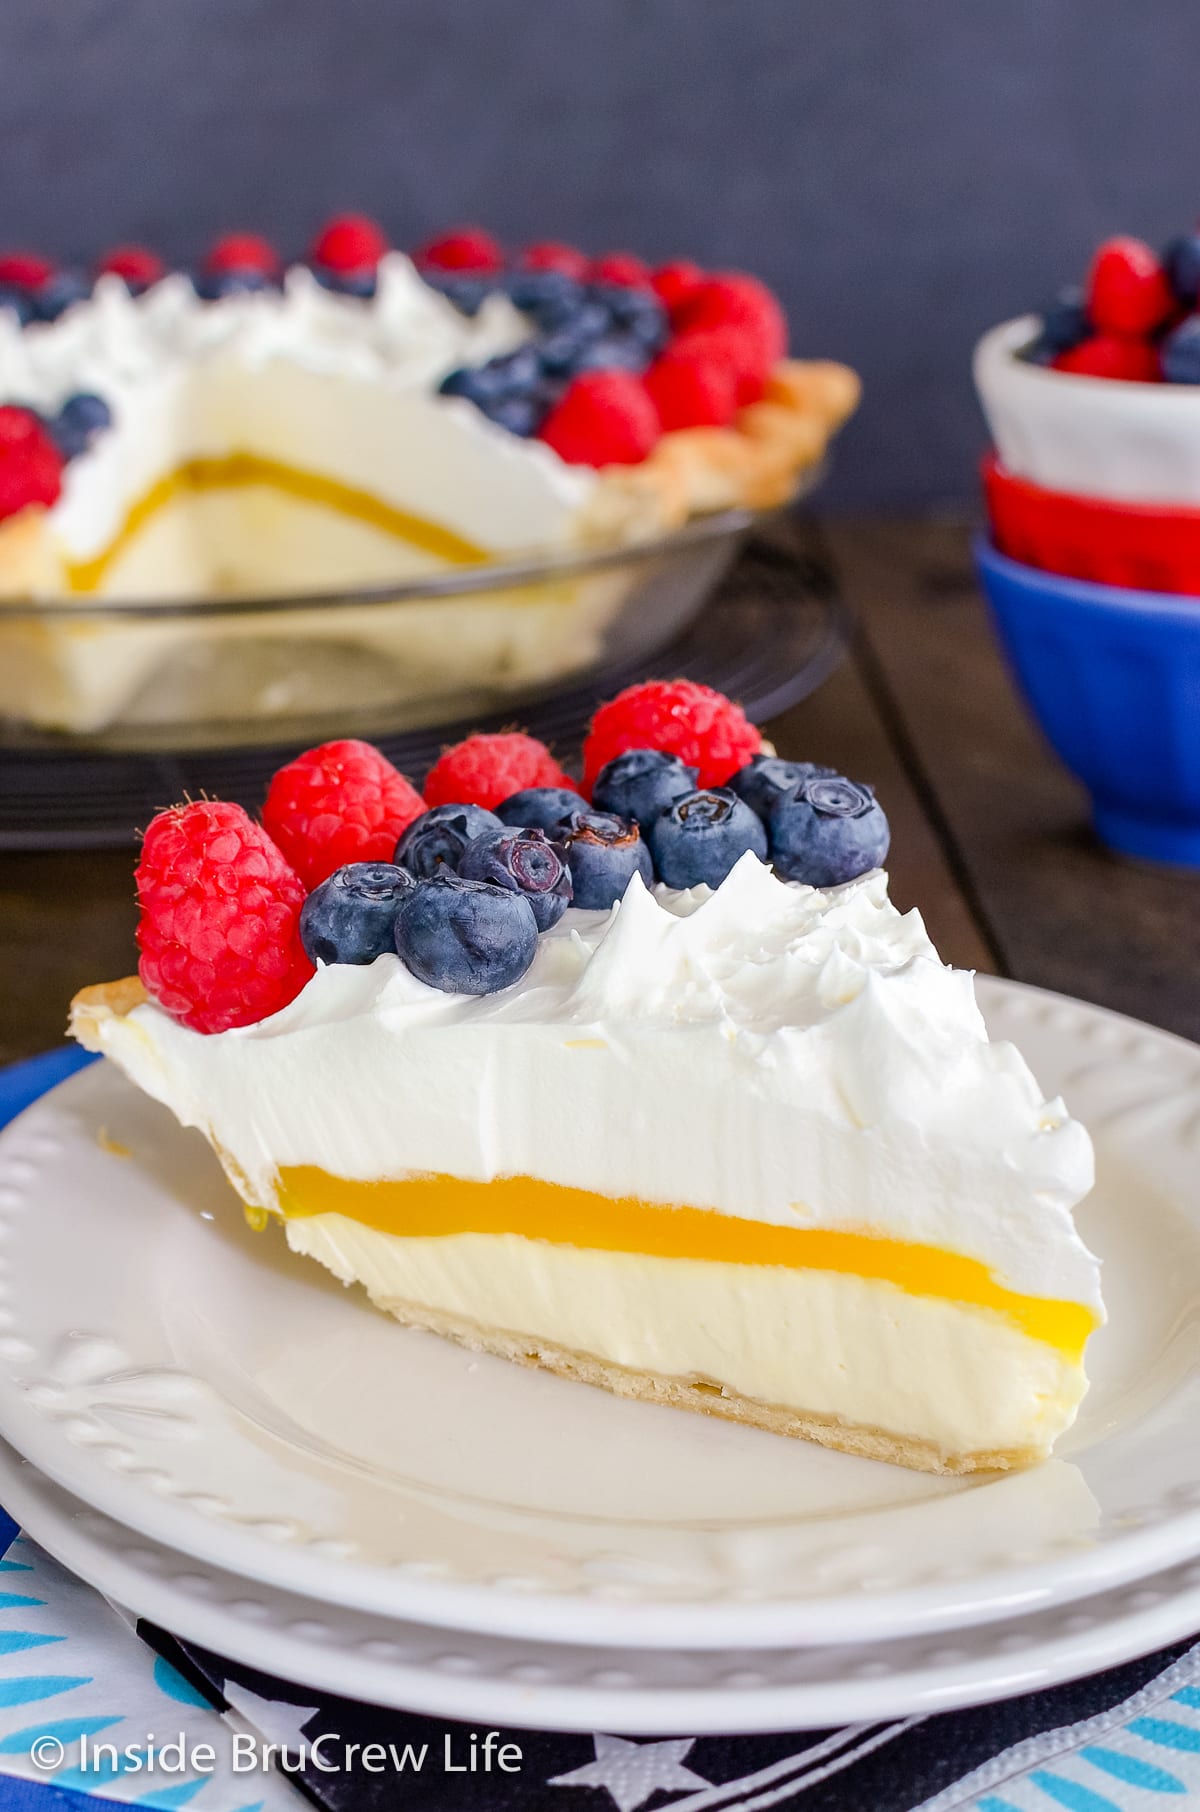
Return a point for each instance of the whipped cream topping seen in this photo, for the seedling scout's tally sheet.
(325, 382)
(772, 1051)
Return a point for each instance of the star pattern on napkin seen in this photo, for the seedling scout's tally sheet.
(631, 1773)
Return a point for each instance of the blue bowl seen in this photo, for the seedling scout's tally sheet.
(1113, 678)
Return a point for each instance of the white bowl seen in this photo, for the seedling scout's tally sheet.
(1097, 437)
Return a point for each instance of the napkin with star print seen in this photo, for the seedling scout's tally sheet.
(1119, 1742)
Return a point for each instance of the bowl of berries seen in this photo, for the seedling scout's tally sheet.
(1099, 395)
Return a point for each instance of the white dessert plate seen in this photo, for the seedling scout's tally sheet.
(496, 1680)
(199, 1384)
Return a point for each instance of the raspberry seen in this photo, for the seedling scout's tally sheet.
(243, 252)
(692, 389)
(673, 283)
(342, 802)
(704, 728)
(137, 264)
(219, 930)
(550, 255)
(465, 249)
(733, 300)
(350, 242)
(30, 462)
(621, 269)
(605, 418)
(486, 770)
(25, 270)
(733, 349)
(1106, 356)
(1128, 293)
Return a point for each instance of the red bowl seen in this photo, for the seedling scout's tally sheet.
(1146, 546)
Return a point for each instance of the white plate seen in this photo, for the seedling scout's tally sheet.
(492, 1680)
(198, 1383)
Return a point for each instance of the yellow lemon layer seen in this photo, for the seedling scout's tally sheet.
(240, 469)
(422, 1207)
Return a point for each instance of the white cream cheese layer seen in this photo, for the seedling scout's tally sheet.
(329, 384)
(771, 1051)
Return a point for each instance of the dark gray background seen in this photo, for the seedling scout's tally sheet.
(904, 171)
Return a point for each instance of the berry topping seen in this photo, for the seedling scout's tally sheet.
(524, 861)
(465, 249)
(734, 300)
(673, 283)
(1127, 289)
(350, 242)
(606, 418)
(603, 853)
(1106, 356)
(351, 917)
(704, 728)
(538, 807)
(78, 422)
(827, 830)
(137, 265)
(437, 839)
(466, 937)
(640, 783)
(697, 840)
(30, 463)
(60, 292)
(692, 385)
(549, 255)
(342, 802)
(219, 930)
(620, 268)
(765, 777)
(210, 286)
(25, 270)
(243, 252)
(1180, 353)
(735, 352)
(486, 770)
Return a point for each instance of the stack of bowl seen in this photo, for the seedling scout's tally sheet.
(1092, 570)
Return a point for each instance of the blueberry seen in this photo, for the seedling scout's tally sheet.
(351, 917)
(77, 423)
(479, 384)
(1180, 353)
(638, 312)
(436, 839)
(641, 783)
(361, 283)
(565, 340)
(466, 937)
(524, 861)
(539, 292)
(604, 853)
(18, 301)
(60, 292)
(521, 415)
(1064, 325)
(538, 807)
(615, 352)
(697, 840)
(765, 777)
(827, 830)
(1182, 262)
(467, 293)
(210, 286)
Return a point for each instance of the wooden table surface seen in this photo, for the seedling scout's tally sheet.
(990, 835)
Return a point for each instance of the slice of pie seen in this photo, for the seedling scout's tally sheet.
(746, 1150)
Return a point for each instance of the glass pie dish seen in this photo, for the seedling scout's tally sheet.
(104, 674)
